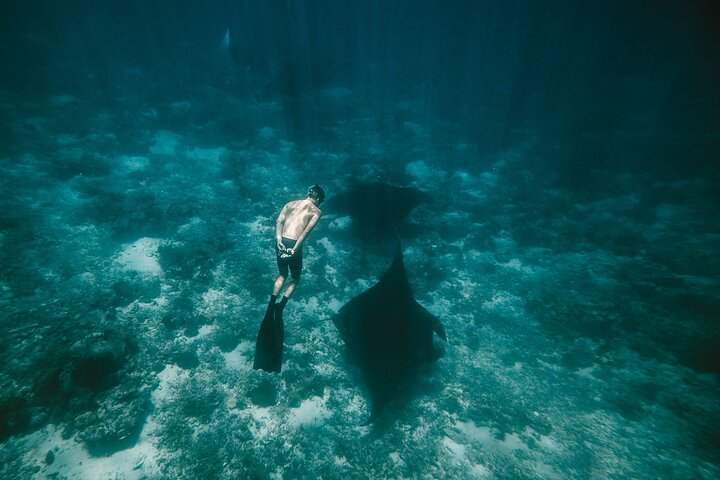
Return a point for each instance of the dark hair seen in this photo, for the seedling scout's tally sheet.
(317, 193)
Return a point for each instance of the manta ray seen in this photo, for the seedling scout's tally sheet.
(388, 334)
(376, 207)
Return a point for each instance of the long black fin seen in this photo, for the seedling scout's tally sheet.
(269, 344)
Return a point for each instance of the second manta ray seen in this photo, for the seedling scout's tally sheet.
(388, 334)
(377, 208)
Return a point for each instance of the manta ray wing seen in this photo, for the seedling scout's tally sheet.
(388, 334)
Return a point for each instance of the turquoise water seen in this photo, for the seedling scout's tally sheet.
(569, 245)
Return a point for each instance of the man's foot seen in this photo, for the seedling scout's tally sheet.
(280, 306)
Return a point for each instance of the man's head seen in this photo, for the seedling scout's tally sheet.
(317, 193)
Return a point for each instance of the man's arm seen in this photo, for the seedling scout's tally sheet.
(279, 226)
(311, 224)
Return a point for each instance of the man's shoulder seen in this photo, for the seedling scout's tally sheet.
(315, 210)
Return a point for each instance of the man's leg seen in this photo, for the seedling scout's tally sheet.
(279, 281)
(292, 285)
(295, 267)
(282, 265)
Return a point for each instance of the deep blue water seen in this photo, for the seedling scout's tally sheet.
(570, 247)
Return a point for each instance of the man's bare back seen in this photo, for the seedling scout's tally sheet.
(297, 216)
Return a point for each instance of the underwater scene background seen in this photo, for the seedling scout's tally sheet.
(569, 243)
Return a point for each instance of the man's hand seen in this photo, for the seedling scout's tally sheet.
(284, 251)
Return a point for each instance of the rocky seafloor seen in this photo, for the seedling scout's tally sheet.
(137, 258)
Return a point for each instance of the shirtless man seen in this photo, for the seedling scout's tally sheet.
(295, 222)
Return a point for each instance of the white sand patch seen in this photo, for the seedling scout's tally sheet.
(458, 455)
(203, 331)
(421, 170)
(463, 176)
(264, 422)
(165, 143)
(480, 471)
(133, 163)
(468, 288)
(516, 264)
(311, 306)
(260, 226)
(457, 450)
(547, 443)
(218, 302)
(331, 275)
(356, 406)
(421, 433)
(340, 223)
(312, 411)
(326, 369)
(72, 461)
(141, 256)
(477, 194)
(169, 376)
(329, 247)
(213, 296)
(491, 439)
(397, 459)
(502, 301)
(334, 305)
(587, 372)
(239, 359)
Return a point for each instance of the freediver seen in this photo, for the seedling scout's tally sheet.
(293, 225)
(295, 222)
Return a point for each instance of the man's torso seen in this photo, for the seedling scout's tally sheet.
(298, 215)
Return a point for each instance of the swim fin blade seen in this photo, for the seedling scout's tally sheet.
(269, 344)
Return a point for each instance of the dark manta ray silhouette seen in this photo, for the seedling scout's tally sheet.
(388, 334)
(376, 207)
